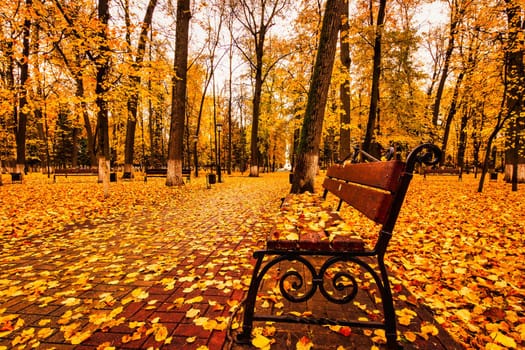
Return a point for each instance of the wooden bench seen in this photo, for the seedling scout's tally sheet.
(74, 172)
(162, 172)
(187, 173)
(16, 178)
(442, 171)
(375, 189)
(81, 172)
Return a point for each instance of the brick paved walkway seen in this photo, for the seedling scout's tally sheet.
(165, 276)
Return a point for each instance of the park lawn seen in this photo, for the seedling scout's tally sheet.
(458, 251)
(461, 252)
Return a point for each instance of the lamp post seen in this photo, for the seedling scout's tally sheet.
(195, 159)
(219, 129)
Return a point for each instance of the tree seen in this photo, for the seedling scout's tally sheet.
(75, 58)
(178, 101)
(451, 113)
(376, 75)
(213, 31)
(344, 89)
(22, 113)
(311, 131)
(501, 120)
(102, 65)
(456, 13)
(135, 81)
(257, 16)
(515, 170)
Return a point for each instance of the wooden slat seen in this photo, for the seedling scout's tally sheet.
(314, 241)
(384, 175)
(373, 203)
(347, 244)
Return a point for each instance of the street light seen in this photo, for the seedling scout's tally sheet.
(195, 159)
(219, 129)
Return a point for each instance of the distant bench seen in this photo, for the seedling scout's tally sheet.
(162, 172)
(306, 227)
(16, 178)
(443, 171)
(81, 172)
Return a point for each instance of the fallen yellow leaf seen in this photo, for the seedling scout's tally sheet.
(261, 342)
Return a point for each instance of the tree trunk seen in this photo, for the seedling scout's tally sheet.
(501, 121)
(74, 140)
(23, 113)
(256, 109)
(376, 75)
(451, 114)
(10, 82)
(133, 101)
(516, 144)
(89, 135)
(308, 152)
(102, 66)
(454, 22)
(462, 139)
(258, 24)
(344, 89)
(485, 167)
(230, 102)
(178, 102)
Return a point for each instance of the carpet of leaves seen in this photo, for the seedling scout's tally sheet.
(459, 251)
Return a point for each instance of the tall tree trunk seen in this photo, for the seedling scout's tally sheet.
(230, 102)
(258, 25)
(102, 63)
(376, 75)
(256, 107)
(23, 111)
(454, 22)
(451, 114)
(501, 120)
(308, 153)
(516, 144)
(10, 83)
(91, 149)
(133, 101)
(462, 146)
(344, 89)
(210, 74)
(178, 102)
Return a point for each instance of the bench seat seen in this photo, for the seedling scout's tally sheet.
(163, 172)
(319, 228)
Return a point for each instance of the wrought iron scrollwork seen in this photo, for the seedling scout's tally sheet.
(340, 283)
(339, 287)
(297, 282)
(426, 153)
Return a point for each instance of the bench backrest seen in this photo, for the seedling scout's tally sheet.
(378, 189)
(157, 171)
(371, 188)
(76, 171)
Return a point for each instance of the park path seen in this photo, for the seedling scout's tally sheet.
(67, 286)
(165, 272)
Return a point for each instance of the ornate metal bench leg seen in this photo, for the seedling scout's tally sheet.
(388, 308)
(249, 305)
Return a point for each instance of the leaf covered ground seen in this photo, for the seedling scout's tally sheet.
(154, 264)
